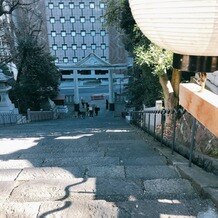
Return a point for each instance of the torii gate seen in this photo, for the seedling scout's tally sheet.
(93, 62)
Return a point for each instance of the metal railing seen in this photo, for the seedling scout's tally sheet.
(154, 122)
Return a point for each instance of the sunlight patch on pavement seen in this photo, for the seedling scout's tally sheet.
(167, 201)
(117, 130)
(74, 137)
(175, 216)
(11, 145)
(16, 164)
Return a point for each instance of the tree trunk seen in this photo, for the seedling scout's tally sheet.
(176, 79)
(169, 97)
(167, 91)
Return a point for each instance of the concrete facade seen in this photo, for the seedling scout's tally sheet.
(77, 28)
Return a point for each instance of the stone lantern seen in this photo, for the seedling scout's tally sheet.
(6, 105)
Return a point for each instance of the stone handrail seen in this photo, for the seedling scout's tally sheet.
(201, 105)
(41, 115)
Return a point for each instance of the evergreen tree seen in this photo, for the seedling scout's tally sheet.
(143, 87)
(38, 77)
(147, 55)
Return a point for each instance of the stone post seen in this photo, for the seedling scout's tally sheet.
(111, 97)
(76, 91)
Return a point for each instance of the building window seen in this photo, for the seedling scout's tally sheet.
(83, 46)
(93, 46)
(52, 19)
(75, 59)
(84, 72)
(71, 4)
(74, 46)
(73, 33)
(63, 33)
(83, 33)
(92, 19)
(103, 33)
(56, 60)
(103, 46)
(103, 58)
(53, 33)
(65, 59)
(92, 5)
(93, 32)
(82, 19)
(62, 19)
(101, 72)
(61, 5)
(102, 19)
(102, 5)
(64, 46)
(81, 5)
(54, 47)
(72, 19)
(50, 5)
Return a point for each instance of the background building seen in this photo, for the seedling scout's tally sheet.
(76, 29)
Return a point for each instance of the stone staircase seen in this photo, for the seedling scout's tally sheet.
(93, 173)
(21, 119)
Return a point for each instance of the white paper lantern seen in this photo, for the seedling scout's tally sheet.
(188, 27)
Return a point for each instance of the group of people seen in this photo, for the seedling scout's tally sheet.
(87, 109)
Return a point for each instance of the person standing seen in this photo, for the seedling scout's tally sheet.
(97, 109)
(91, 111)
(82, 102)
(107, 104)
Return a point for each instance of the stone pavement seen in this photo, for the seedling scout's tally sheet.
(92, 167)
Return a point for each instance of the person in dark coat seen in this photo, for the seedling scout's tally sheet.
(97, 109)
(107, 104)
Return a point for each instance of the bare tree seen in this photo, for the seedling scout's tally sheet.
(18, 19)
(8, 6)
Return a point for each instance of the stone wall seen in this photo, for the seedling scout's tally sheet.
(206, 144)
(212, 82)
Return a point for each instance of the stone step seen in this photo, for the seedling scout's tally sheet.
(144, 161)
(106, 171)
(119, 147)
(85, 171)
(113, 144)
(169, 189)
(58, 148)
(131, 153)
(92, 154)
(38, 145)
(122, 141)
(30, 155)
(20, 164)
(75, 188)
(80, 161)
(42, 173)
(58, 162)
(115, 135)
(61, 173)
(21, 119)
(100, 208)
(150, 172)
(166, 208)
(109, 189)
(78, 209)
